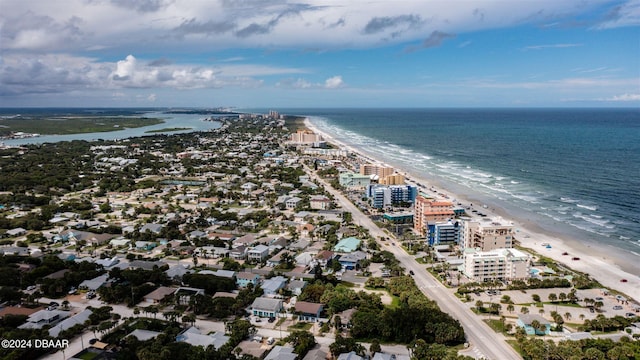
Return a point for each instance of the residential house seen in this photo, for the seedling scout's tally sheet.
(352, 260)
(194, 337)
(296, 286)
(292, 202)
(153, 228)
(316, 354)
(258, 253)
(384, 356)
(95, 283)
(320, 202)
(43, 318)
(239, 253)
(15, 232)
(350, 356)
(79, 318)
(272, 286)
(281, 353)
(159, 294)
(525, 321)
(324, 257)
(308, 311)
(347, 245)
(266, 307)
(184, 294)
(244, 278)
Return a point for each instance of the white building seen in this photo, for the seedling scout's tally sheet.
(497, 264)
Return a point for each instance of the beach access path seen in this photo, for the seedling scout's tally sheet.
(480, 336)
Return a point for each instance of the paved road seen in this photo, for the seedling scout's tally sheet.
(485, 342)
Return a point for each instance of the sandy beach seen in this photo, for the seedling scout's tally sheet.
(599, 261)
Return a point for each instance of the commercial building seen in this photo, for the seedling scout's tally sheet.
(428, 210)
(383, 195)
(497, 264)
(354, 181)
(305, 137)
(393, 179)
(487, 234)
(444, 233)
(378, 170)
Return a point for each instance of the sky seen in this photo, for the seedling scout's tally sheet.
(319, 53)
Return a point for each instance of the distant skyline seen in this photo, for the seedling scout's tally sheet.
(279, 53)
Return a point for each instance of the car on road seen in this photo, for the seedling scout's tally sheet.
(258, 320)
(630, 314)
(599, 298)
(411, 272)
(271, 319)
(617, 307)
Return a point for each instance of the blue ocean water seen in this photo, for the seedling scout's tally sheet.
(574, 170)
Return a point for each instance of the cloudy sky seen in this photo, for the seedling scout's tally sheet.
(320, 53)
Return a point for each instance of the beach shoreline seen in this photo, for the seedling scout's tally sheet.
(609, 267)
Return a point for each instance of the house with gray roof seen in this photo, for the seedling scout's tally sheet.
(258, 253)
(273, 285)
(266, 307)
(41, 318)
(95, 283)
(316, 354)
(194, 337)
(281, 353)
(68, 323)
(350, 356)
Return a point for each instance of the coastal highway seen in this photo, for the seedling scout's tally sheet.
(489, 345)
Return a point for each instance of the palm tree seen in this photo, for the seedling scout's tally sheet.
(581, 316)
(541, 311)
(535, 324)
(524, 310)
(567, 315)
(510, 308)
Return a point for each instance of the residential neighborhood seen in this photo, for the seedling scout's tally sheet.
(240, 243)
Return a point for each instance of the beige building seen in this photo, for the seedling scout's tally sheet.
(430, 210)
(497, 264)
(394, 179)
(305, 137)
(487, 234)
(379, 170)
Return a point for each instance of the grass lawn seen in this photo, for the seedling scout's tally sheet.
(495, 324)
(567, 304)
(88, 356)
(514, 344)
(300, 326)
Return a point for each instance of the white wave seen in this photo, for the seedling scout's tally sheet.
(515, 182)
(601, 223)
(568, 200)
(588, 207)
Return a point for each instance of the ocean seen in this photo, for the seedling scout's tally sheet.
(571, 171)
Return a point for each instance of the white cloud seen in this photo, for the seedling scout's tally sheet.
(333, 82)
(551, 46)
(152, 97)
(65, 73)
(43, 24)
(627, 14)
(624, 97)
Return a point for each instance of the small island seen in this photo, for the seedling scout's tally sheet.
(173, 129)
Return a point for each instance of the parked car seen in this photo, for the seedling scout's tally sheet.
(617, 307)
(411, 272)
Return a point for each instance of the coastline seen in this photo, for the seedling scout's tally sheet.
(608, 267)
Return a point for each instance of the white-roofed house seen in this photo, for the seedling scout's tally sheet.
(281, 353)
(68, 323)
(258, 253)
(194, 337)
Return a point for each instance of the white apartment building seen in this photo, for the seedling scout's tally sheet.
(497, 264)
(487, 234)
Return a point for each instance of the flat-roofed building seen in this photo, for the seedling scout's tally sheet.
(497, 264)
(487, 234)
(393, 179)
(354, 181)
(428, 210)
(380, 170)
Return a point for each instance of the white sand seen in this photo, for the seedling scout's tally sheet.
(597, 261)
